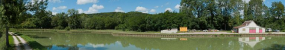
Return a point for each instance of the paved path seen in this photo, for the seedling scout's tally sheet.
(227, 33)
(17, 43)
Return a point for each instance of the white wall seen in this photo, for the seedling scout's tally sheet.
(252, 24)
(247, 30)
(240, 30)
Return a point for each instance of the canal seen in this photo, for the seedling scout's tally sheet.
(93, 41)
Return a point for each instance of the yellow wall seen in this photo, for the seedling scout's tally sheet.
(183, 29)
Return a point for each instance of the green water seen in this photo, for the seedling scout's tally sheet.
(91, 41)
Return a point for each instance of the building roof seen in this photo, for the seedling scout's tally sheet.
(244, 24)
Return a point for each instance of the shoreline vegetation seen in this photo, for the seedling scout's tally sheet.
(120, 32)
(194, 14)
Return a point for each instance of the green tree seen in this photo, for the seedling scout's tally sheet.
(73, 20)
(12, 10)
(59, 21)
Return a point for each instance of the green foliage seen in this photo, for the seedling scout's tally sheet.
(67, 28)
(59, 21)
(29, 23)
(73, 20)
(194, 14)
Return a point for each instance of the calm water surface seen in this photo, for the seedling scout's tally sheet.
(91, 41)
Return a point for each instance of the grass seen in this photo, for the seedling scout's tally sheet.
(3, 42)
(11, 43)
(109, 31)
(33, 44)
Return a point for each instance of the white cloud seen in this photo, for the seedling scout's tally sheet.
(55, 1)
(119, 9)
(246, 1)
(59, 8)
(93, 9)
(54, 13)
(38, 1)
(156, 6)
(80, 11)
(177, 6)
(142, 9)
(167, 3)
(169, 9)
(152, 10)
(80, 2)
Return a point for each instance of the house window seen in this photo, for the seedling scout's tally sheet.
(243, 29)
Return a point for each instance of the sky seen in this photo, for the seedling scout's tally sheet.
(99, 6)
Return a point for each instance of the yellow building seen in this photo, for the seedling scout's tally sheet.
(183, 29)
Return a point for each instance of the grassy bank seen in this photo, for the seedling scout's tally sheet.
(3, 42)
(81, 31)
(32, 43)
(11, 42)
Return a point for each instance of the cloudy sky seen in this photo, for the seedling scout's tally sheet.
(98, 6)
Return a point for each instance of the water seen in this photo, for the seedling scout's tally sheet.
(91, 41)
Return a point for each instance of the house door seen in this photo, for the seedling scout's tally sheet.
(260, 30)
(252, 30)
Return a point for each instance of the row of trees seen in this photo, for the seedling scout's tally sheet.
(225, 14)
(194, 14)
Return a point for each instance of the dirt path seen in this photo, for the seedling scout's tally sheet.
(17, 43)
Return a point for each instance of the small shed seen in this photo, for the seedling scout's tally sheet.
(183, 29)
(249, 27)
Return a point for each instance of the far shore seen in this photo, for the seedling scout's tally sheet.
(110, 31)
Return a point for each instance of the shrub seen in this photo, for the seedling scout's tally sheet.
(67, 28)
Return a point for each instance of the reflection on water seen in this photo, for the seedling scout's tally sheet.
(88, 41)
(251, 41)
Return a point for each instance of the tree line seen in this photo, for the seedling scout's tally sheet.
(194, 14)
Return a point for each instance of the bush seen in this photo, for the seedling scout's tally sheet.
(283, 30)
(59, 27)
(67, 28)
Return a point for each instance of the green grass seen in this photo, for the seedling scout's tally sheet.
(3, 42)
(83, 31)
(33, 44)
(11, 43)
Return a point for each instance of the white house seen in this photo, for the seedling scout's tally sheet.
(249, 27)
(251, 41)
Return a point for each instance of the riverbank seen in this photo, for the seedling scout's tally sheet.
(151, 33)
(110, 31)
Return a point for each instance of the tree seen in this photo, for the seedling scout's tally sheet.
(73, 20)
(59, 21)
(277, 12)
(12, 10)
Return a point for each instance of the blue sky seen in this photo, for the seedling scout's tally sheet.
(98, 6)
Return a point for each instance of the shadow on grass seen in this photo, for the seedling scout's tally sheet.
(35, 36)
(275, 47)
(36, 46)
